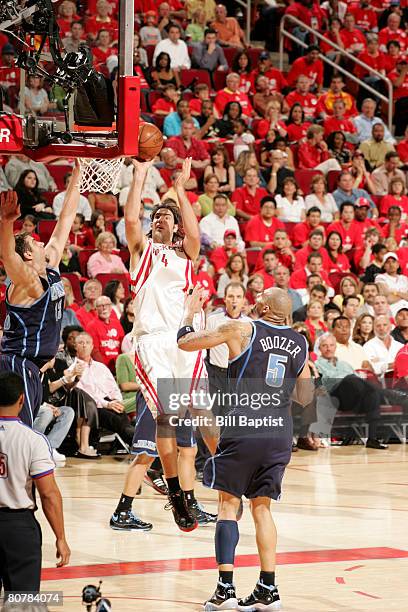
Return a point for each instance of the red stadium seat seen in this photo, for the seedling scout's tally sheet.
(332, 178)
(45, 229)
(219, 79)
(254, 53)
(76, 286)
(191, 77)
(124, 255)
(17, 225)
(150, 52)
(83, 257)
(230, 53)
(252, 258)
(304, 178)
(123, 278)
(58, 172)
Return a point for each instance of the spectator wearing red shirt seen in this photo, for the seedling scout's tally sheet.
(168, 103)
(9, 73)
(361, 221)
(326, 101)
(200, 276)
(395, 228)
(171, 168)
(339, 122)
(345, 226)
(269, 264)
(80, 236)
(260, 230)
(353, 39)
(296, 125)
(103, 48)
(201, 93)
(107, 333)
(401, 367)
(365, 17)
(374, 58)
(101, 20)
(277, 81)
(92, 290)
(399, 79)
(66, 15)
(338, 261)
(247, 199)
(396, 197)
(281, 246)
(402, 148)
(186, 145)
(309, 65)
(302, 231)
(220, 256)
(313, 245)
(314, 319)
(314, 153)
(314, 265)
(302, 96)
(393, 32)
(232, 93)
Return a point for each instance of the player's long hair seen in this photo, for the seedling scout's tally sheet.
(170, 205)
(21, 244)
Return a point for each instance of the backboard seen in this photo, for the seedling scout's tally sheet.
(44, 136)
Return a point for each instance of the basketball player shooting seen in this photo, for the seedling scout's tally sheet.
(161, 274)
(35, 296)
(268, 358)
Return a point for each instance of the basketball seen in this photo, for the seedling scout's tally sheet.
(150, 141)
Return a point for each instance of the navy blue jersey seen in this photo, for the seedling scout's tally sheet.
(33, 332)
(269, 365)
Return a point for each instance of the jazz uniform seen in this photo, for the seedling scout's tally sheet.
(256, 444)
(31, 338)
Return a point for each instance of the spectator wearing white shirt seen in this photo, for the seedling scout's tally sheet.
(365, 121)
(84, 207)
(290, 206)
(383, 348)
(215, 224)
(176, 48)
(393, 285)
(4, 186)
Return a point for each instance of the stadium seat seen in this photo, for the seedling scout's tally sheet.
(152, 97)
(332, 178)
(150, 52)
(83, 257)
(58, 172)
(254, 53)
(219, 79)
(17, 225)
(123, 278)
(252, 258)
(230, 53)
(189, 78)
(76, 286)
(45, 229)
(124, 255)
(304, 178)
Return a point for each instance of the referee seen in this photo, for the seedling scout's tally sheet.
(25, 456)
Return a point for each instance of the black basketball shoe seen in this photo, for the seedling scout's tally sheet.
(265, 598)
(154, 479)
(224, 598)
(203, 517)
(182, 515)
(127, 521)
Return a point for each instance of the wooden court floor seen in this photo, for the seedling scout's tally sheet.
(342, 525)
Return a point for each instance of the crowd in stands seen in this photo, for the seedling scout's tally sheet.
(297, 182)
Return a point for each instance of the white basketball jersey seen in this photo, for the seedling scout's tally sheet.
(159, 283)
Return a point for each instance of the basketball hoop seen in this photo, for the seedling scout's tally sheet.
(100, 175)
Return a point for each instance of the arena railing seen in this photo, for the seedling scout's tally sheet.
(286, 33)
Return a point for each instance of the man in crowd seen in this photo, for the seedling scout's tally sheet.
(106, 332)
(369, 293)
(383, 348)
(375, 149)
(270, 263)
(346, 349)
(400, 331)
(172, 125)
(84, 208)
(282, 278)
(208, 55)
(353, 39)
(302, 231)
(309, 65)
(86, 313)
(314, 153)
(186, 145)
(362, 222)
(383, 175)
(392, 284)
(314, 265)
(366, 120)
(227, 28)
(260, 230)
(170, 168)
(345, 191)
(277, 172)
(325, 106)
(221, 254)
(247, 199)
(218, 222)
(176, 48)
(315, 244)
(232, 93)
(302, 96)
(317, 293)
(340, 123)
(277, 81)
(77, 37)
(350, 307)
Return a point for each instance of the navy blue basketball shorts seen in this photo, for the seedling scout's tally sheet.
(248, 466)
(32, 384)
(144, 437)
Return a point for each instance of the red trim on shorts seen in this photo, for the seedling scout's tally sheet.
(147, 383)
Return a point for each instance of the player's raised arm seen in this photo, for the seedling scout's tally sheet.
(17, 271)
(133, 226)
(60, 234)
(191, 242)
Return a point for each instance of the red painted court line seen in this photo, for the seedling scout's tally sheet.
(351, 569)
(366, 594)
(206, 563)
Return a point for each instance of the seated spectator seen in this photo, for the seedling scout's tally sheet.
(319, 198)
(140, 61)
(369, 293)
(277, 81)
(57, 422)
(126, 379)
(170, 168)
(172, 125)
(282, 247)
(260, 230)
(303, 231)
(92, 289)
(201, 94)
(29, 197)
(296, 125)
(9, 73)
(361, 221)
(210, 126)
(115, 291)
(375, 149)
(208, 54)
(29, 226)
(350, 307)
(218, 220)
(225, 127)
(67, 14)
(375, 59)
(278, 171)
(255, 287)
(360, 172)
(247, 199)
(348, 286)
(195, 31)
(338, 149)
(175, 47)
(366, 121)
(365, 16)
(338, 122)
(220, 167)
(400, 331)
(98, 382)
(211, 191)
(289, 204)
(282, 278)
(75, 38)
(325, 105)
(396, 196)
(382, 350)
(186, 145)
(381, 307)
(309, 65)
(84, 208)
(227, 28)
(70, 305)
(363, 329)
(168, 103)
(208, 6)
(353, 39)
(242, 65)
(97, 223)
(80, 236)
(128, 316)
(163, 73)
(393, 32)
(391, 283)
(69, 263)
(340, 381)
(338, 261)
(232, 93)
(270, 262)
(221, 254)
(301, 95)
(105, 261)
(394, 228)
(16, 165)
(399, 79)
(246, 160)
(345, 192)
(264, 99)
(314, 320)
(371, 261)
(402, 148)
(107, 333)
(235, 272)
(384, 174)
(314, 265)
(315, 293)
(150, 33)
(314, 152)
(346, 349)
(314, 244)
(103, 47)
(101, 20)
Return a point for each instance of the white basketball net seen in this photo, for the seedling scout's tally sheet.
(100, 175)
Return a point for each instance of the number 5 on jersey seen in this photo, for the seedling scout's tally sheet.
(276, 370)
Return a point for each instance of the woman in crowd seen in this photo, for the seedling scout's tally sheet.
(363, 329)
(36, 98)
(105, 261)
(255, 286)
(246, 160)
(396, 197)
(67, 13)
(103, 47)
(339, 262)
(68, 315)
(348, 286)
(29, 197)
(359, 169)
(115, 291)
(195, 30)
(290, 206)
(128, 316)
(324, 201)
(97, 223)
(315, 320)
(281, 145)
(242, 65)
(272, 120)
(235, 271)
(336, 143)
(29, 226)
(221, 168)
(206, 199)
(225, 126)
(162, 74)
(296, 125)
